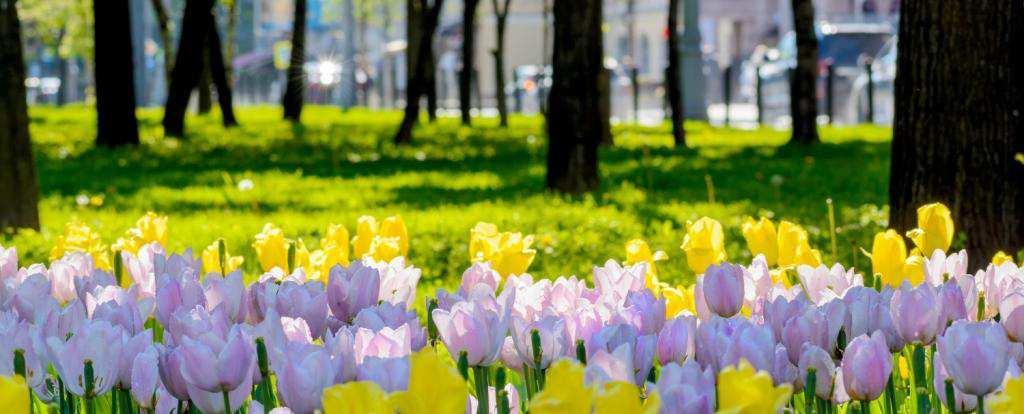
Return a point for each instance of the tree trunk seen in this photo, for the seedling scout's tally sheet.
(219, 75)
(205, 82)
(422, 23)
(296, 84)
(229, 48)
(501, 17)
(959, 95)
(163, 23)
(62, 68)
(429, 81)
(468, 59)
(116, 124)
(673, 77)
(18, 188)
(187, 64)
(573, 119)
(803, 99)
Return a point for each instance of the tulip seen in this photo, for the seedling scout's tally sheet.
(170, 367)
(509, 253)
(79, 237)
(358, 397)
(866, 366)
(723, 289)
(679, 300)
(604, 366)
(554, 339)
(351, 289)
(173, 293)
(954, 307)
(645, 311)
(888, 254)
(1011, 313)
(917, 313)
(392, 316)
(382, 242)
(756, 388)
(385, 343)
(131, 347)
(145, 377)
(227, 292)
(302, 380)
(811, 328)
(762, 239)
(475, 328)
(333, 252)
(295, 330)
(392, 374)
(95, 341)
(271, 248)
(397, 281)
(777, 312)
(637, 251)
(704, 244)
(341, 346)
(565, 391)
(220, 370)
(434, 386)
(615, 281)
(686, 389)
(975, 355)
(783, 371)
(794, 246)
(307, 301)
(14, 394)
(65, 272)
(141, 267)
(32, 300)
(676, 340)
(511, 394)
(813, 357)
(8, 262)
(150, 228)
(479, 274)
(868, 311)
(934, 229)
(962, 403)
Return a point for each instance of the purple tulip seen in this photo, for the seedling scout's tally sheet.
(352, 289)
(16, 334)
(783, 371)
(216, 370)
(141, 267)
(32, 300)
(554, 339)
(645, 311)
(953, 305)
(917, 313)
(197, 324)
(302, 380)
(296, 330)
(131, 347)
(723, 289)
(676, 339)
(1011, 313)
(809, 328)
(307, 301)
(8, 262)
(825, 370)
(341, 346)
(975, 355)
(392, 374)
(604, 366)
(867, 312)
(385, 343)
(866, 367)
(170, 367)
(174, 293)
(510, 356)
(393, 316)
(229, 293)
(642, 347)
(96, 341)
(779, 311)
(566, 295)
(121, 310)
(686, 389)
(476, 327)
(964, 403)
(479, 276)
(145, 377)
(64, 273)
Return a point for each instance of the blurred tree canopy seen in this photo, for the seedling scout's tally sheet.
(65, 25)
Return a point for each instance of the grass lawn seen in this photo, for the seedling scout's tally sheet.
(338, 166)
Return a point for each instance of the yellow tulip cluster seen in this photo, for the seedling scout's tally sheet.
(382, 242)
(434, 387)
(79, 237)
(148, 229)
(889, 258)
(748, 391)
(509, 253)
(565, 392)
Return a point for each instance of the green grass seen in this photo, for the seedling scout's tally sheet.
(338, 166)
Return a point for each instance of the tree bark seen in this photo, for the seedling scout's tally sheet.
(292, 100)
(229, 48)
(18, 187)
(803, 99)
(422, 23)
(501, 8)
(205, 82)
(468, 59)
(959, 97)
(219, 75)
(187, 64)
(673, 76)
(116, 124)
(62, 67)
(163, 23)
(574, 124)
(429, 80)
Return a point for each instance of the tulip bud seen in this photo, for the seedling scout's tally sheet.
(723, 289)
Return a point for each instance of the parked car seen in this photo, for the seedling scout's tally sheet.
(844, 46)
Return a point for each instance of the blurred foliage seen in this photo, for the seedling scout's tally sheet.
(339, 165)
(65, 26)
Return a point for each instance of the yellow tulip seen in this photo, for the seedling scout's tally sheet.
(934, 229)
(79, 237)
(564, 391)
(704, 244)
(357, 397)
(762, 239)
(678, 299)
(13, 394)
(1010, 400)
(509, 253)
(382, 242)
(795, 248)
(366, 230)
(750, 391)
(1001, 257)
(271, 248)
(622, 397)
(333, 251)
(394, 227)
(638, 251)
(211, 260)
(434, 386)
(913, 271)
(148, 229)
(888, 256)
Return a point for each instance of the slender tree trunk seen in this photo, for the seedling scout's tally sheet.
(573, 118)
(296, 84)
(229, 48)
(18, 187)
(468, 59)
(429, 79)
(422, 23)
(116, 124)
(958, 127)
(187, 64)
(803, 100)
(62, 67)
(163, 23)
(501, 8)
(219, 75)
(205, 82)
(673, 77)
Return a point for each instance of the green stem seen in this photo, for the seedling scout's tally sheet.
(61, 404)
(865, 407)
(181, 407)
(115, 400)
(581, 351)
(981, 404)
(222, 256)
(537, 358)
(950, 395)
(528, 381)
(227, 402)
(90, 387)
(463, 365)
(431, 326)
(483, 397)
(920, 380)
(500, 393)
(19, 369)
(890, 394)
(809, 384)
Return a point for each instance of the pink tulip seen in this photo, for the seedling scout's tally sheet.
(215, 370)
(953, 305)
(227, 292)
(777, 312)
(476, 327)
(397, 281)
(142, 265)
(307, 301)
(131, 347)
(604, 366)
(917, 313)
(145, 377)
(686, 389)
(197, 324)
(809, 328)
(173, 293)
(554, 339)
(479, 274)
(866, 366)
(392, 374)
(676, 339)
(169, 364)
(975, 355)
(824, 367)
(8, 262)
(868, 311)
(302, 380)
(96, 341)
(385, 343)
(1011, 313)
(393, 316)
(823, 284)
(723, 289)
(616, 281)
(352, 289)
(964, 403)
(65, 271)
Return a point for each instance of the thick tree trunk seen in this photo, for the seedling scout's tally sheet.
(422, 23)
(116, 124)
(205, 83)
(501, 17)
(803, 99)
(292, 100)
(673, 76)
(219, 75)
(429, 81)
(187, 64)
(18, 188)
(959, 95)
(163, 23)
(468, 59)
(574, 121)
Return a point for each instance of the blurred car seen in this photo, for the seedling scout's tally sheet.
(845, 46)
(883, 76)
